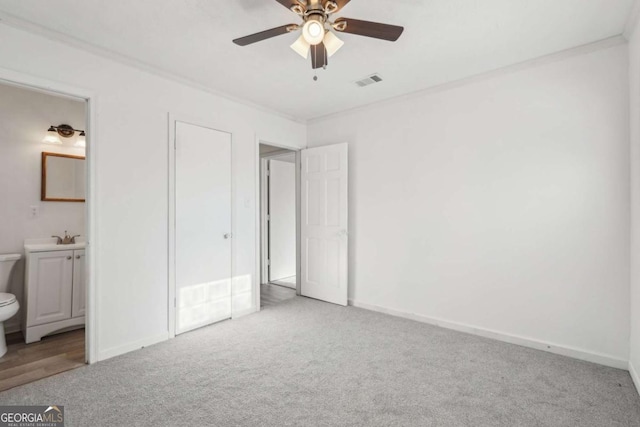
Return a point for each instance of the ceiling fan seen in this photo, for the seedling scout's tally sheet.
(316, 27)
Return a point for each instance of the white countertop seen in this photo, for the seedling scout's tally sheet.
(49, 244)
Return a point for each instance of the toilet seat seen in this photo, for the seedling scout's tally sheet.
(6, 299)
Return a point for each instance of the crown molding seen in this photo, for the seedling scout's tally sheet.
(531, 63)
(37, 29)
(632, 21)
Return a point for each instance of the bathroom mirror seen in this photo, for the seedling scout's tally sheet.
(63, 178)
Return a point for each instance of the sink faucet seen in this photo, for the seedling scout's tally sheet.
(67, 239)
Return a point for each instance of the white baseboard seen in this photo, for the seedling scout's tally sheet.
(601, 359)
(136, 345)
(634, 376)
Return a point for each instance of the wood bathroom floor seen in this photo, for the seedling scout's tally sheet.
(25, 363)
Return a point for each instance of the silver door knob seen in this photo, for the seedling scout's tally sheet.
(227, 235)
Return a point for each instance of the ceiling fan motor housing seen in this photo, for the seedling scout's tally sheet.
(317, 10)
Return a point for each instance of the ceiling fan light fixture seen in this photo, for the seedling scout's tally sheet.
(332, 43)
(301, 47)
(313, 32)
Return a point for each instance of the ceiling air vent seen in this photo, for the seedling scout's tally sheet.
(374, 78)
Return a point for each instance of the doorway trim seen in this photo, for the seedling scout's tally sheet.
(259, 218)
(30, 82)
(171, 189)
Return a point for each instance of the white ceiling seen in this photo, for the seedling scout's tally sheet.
(444, 41)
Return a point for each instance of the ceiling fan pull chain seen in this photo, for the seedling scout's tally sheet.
(315, 52)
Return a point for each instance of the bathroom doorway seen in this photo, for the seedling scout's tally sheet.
(45, 182)
(278, 220)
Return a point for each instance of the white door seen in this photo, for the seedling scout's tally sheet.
(79, 294)
(282, 218)
(203, 226)
(51, 275)
(324, 229)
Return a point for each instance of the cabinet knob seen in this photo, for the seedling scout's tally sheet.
(69, 257)
(77, 256)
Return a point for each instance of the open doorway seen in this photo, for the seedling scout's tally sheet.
(279, 230)
(44, 184)
(321, 223)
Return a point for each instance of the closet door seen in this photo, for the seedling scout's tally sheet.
(203, 226)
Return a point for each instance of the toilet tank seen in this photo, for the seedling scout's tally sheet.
(7, 262)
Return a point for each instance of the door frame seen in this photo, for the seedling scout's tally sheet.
(54, 88)
(260, 227)
(264, 223)
(171, 189)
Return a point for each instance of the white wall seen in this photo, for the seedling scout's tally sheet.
(282, 231)
(25, 116)
(500, 205)
(634, 80)
(132, 177)
(509, 196)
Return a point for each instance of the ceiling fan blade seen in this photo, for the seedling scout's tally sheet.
(288, 3)
(263, 35)
(340, 3)
(371, 29)
(319, 56)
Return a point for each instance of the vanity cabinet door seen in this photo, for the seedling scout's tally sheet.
(79, 295)
(49, 288)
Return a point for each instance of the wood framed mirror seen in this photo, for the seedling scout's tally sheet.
(63, 178)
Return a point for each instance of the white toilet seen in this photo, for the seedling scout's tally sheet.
(8, 304)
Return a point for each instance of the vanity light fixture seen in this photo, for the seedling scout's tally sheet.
(81, 142)
(65, 131)
(52, 137)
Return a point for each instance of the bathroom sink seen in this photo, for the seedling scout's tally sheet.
(49, 244)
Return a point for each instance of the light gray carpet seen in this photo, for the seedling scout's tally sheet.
(307, 363)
